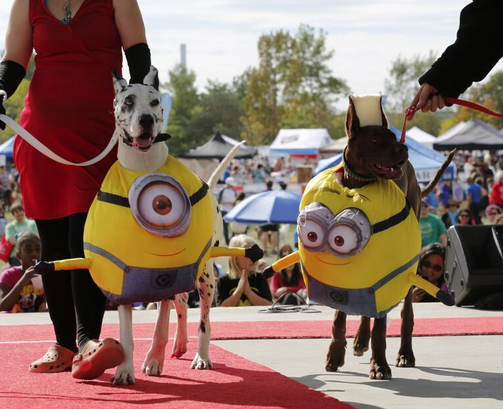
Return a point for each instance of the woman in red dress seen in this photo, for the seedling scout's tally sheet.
(69, 108)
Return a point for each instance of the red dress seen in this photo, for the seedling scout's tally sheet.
(69, 108)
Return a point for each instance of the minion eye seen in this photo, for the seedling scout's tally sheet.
(343, 239)
(311, 234)
(161, 205)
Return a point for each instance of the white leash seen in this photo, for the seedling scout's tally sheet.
(28, 137)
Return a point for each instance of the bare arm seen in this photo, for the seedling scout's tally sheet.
(254, 298)
(9, 296)
(129, 22)
(19, 40)
(233, 299)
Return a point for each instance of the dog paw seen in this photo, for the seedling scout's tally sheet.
(360, 345)
(179, 348)
(359, 350)
(154, 361)
(123, 376)
(201, 363)
(152, 368)
(405, 361)
(335, 356)
(379, 371)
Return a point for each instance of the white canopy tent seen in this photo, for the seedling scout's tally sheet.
(300, 141)
(421, 136)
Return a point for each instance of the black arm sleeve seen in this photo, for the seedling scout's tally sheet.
(138, 60)
(11, 75)
(477, 49)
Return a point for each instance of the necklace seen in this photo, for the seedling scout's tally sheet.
(68, 12)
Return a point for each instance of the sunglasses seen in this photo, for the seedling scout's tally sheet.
(493, 214)
(436, 267)
(464, 215)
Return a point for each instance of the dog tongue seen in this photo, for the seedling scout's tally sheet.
(141, 142)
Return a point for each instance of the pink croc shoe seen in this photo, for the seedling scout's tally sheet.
(57, 359)
(96, 357)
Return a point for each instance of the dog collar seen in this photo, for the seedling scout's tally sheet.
(350, 173)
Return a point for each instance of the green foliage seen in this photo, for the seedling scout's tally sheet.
(13, 107)
(293, 86)
(402, 85)
(183, 91)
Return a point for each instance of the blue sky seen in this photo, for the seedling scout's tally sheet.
(221, 35)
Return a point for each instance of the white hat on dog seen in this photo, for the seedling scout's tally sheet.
(368, 109)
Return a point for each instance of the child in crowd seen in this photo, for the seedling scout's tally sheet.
(431, 267)
(20, 288)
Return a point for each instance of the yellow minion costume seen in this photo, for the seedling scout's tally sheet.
(358, 248)
(148, 235)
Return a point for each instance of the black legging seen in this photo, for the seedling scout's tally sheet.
(76, 304)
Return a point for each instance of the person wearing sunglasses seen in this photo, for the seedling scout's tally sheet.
(465, 218)
(491, 212)
(430, 267)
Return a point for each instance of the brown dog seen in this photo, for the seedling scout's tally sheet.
(373, 152)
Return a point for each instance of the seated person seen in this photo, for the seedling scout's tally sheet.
(465, 218)
(491, 212)
(20, 224)
(243, 285)
(20, 288)
(431, 267)
(288, 281)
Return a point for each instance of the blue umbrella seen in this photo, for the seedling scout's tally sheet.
(7, 147)
(271, 206)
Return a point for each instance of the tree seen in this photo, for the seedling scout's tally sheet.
(490, 95)
(219, 110)
(183, 91)
(400, 89)
(402, 85)
(292, 87)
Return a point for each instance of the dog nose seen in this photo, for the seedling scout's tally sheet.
(146, 121)
(401, 148)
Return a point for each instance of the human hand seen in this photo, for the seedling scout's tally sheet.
(29, 274)
(3, 96)
(280, 291)
(427, 99)
(417, 294)
(243, 280)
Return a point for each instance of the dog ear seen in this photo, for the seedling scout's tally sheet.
(152, 78)
(352, 121)
(383, 115)
(119, 82)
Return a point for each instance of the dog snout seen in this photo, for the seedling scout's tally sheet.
(401, 149)
(146, 121)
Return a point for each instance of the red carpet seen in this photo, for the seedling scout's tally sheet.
(280, 329)
(234, 382)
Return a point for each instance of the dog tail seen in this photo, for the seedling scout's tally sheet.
(217, 173)
(429, 188)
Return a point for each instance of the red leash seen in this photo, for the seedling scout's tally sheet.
(468, 104)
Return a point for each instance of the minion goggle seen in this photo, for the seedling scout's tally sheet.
(343, 235)
(159, 203)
